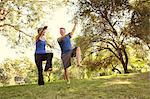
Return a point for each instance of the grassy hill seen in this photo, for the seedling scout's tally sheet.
(131, 86)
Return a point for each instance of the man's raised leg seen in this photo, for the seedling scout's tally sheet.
(78, 56)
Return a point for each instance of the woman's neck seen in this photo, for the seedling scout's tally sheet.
(42, 38)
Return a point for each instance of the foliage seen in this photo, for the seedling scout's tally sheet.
(140, 23)
(21, 18)
(18, 70)
(104, 28)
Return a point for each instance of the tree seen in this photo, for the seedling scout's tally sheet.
(103, 23)
(4, 79)
(140, 20)
(19, 19)
(138, 57)
(17, 70)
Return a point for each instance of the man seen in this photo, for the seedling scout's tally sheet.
(67, 52)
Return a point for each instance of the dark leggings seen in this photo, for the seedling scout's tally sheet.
(38, 60)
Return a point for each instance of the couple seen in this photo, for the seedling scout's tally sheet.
(66, 52)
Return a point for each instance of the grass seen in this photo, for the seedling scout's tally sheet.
(131, 86)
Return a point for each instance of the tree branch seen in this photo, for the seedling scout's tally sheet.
(15, 29)
(3, 14)
(103, 16)
(112, 45)
(102, 48)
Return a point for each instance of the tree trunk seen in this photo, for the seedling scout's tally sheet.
(125, 67)
(126, 59)
(123, 62)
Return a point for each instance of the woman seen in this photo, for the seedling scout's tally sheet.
(41, 55)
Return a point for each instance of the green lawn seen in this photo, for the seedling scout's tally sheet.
(131, 86)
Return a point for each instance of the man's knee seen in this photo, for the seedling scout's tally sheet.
(78, 49)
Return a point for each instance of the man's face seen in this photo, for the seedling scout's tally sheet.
(62, 32)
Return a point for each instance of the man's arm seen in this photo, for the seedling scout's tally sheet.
(74, 28)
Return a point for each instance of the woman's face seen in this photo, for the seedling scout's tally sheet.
(43, 33)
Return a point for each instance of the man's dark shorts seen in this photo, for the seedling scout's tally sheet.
(66, 57)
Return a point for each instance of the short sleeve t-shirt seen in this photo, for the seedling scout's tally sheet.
(65, 44)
